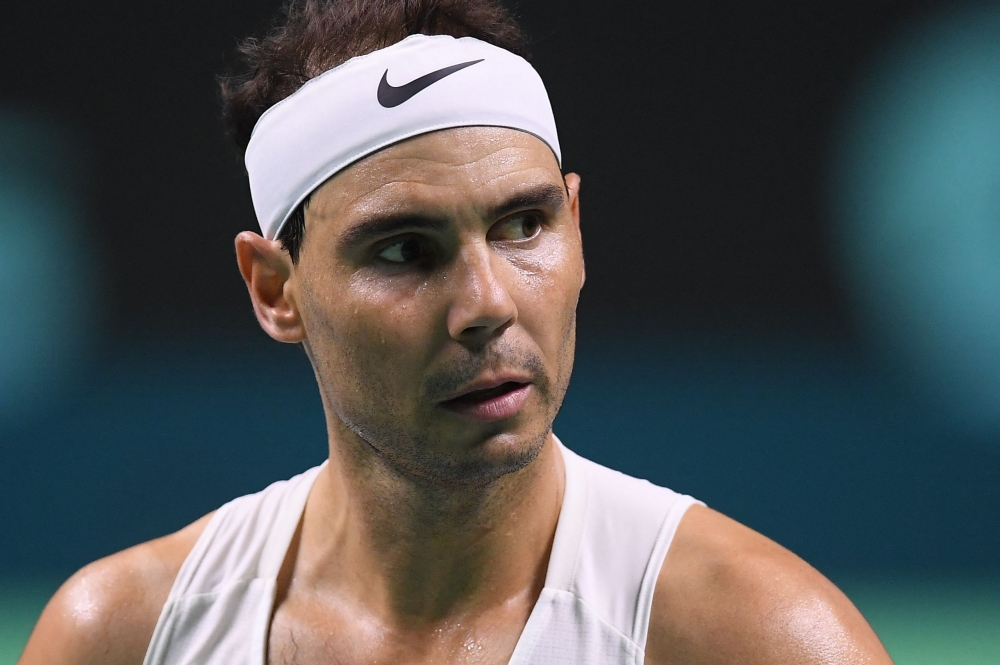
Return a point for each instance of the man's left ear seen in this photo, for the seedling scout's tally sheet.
(267, 270)
(573, 189)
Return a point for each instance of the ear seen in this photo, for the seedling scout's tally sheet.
(267, 270)
(573, 189)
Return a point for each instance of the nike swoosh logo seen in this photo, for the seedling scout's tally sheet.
(390, 96)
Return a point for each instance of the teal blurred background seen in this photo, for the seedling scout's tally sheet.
(792, 309)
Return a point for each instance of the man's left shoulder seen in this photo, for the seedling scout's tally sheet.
(727, 594)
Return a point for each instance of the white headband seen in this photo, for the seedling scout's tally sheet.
(419, 85)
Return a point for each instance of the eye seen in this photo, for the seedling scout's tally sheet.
(522, 226)
(406, 250)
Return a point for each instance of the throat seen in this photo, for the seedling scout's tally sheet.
(418, 555)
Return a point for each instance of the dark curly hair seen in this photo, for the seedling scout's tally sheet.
(314, 36)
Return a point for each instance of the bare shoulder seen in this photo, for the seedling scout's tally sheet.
(727, 594)
(107, 611)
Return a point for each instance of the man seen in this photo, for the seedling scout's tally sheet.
(421, 243)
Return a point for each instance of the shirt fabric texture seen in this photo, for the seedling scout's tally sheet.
(611, 538)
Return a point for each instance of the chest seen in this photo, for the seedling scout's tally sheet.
(308, 632)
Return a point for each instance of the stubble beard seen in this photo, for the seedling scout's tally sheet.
(412, 454)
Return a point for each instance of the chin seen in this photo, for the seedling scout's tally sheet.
(509, 452)
(497, 455)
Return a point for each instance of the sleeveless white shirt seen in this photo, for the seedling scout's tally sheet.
(611, 538)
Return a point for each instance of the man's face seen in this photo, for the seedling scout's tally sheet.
(437, 287)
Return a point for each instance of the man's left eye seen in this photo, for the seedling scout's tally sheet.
(522, 226)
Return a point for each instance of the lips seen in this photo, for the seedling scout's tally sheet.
(491, 400)
(489, 393)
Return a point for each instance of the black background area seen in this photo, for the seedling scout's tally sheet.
(700, 129)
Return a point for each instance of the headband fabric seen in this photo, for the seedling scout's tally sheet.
(418, 85)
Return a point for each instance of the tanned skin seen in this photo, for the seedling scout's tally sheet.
(426, 267)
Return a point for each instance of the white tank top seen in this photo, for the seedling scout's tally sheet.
(612, 535)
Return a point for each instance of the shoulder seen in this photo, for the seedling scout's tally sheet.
(105, 613)
(726, 594)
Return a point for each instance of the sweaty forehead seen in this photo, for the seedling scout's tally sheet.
(450, 167)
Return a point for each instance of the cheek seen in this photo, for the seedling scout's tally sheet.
(550, 289)
(368, 335)
(399, 316)
(547, 313)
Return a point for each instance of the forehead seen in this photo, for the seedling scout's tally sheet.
(452, 167)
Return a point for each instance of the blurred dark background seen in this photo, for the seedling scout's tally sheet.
(776, 320)
(700, 130)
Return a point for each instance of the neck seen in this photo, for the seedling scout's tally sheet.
(416, 553)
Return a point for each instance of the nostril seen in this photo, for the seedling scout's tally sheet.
(476, 331)
(478, 335)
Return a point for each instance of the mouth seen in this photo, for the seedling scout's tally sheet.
(494, 402)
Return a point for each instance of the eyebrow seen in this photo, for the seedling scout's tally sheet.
(543, 196)
(386, 225)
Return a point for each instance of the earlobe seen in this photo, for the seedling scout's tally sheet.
(267, 271)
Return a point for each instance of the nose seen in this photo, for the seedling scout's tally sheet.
(482, 307)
